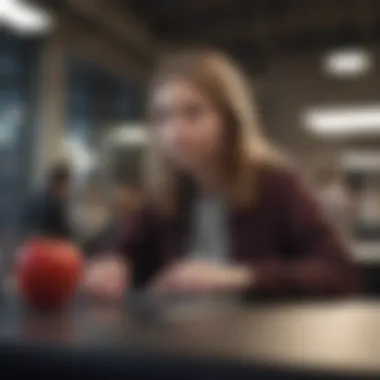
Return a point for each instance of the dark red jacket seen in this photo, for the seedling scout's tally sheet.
(284, 237)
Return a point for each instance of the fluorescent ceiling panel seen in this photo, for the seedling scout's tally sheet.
(24, 17)
(348, 120)
(129, 134)
(348, 62)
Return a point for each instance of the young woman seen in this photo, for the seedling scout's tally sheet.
(227, 213)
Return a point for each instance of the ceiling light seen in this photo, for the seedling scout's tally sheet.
(24, 18)
(361, 161)
(129, 134)
(348, 120)
(348, 62)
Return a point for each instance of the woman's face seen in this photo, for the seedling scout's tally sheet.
(186, 123)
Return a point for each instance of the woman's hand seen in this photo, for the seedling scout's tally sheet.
(202, 276)
(107, 277)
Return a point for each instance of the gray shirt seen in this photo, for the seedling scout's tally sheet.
(210, 237)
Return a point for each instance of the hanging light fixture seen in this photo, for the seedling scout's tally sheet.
(351, 120)
(25, 18)
(348, 63)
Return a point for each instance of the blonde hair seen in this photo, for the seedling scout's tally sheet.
(246, 147)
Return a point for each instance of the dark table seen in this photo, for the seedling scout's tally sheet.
(210, 338)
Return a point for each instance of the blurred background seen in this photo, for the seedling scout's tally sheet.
(73, 75)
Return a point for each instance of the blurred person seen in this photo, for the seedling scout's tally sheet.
(126, 203)
(91, 215)
(368, 211)
(47, 212)
(127, 199)
(335, 197)
(227, 213)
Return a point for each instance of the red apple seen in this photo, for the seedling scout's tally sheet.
(48, 272)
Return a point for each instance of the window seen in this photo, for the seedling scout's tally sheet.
(98, 100)
(17, 94)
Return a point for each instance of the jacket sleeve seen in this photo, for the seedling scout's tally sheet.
(136, 240)
(314, 259)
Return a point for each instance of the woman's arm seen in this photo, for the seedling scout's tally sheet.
(317, 259)
(312, 258)
(126, 260)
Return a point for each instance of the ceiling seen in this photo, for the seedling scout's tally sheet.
(279, 42)
(256, 30)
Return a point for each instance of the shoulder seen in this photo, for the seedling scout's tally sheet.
(282, 181)
(279, 174)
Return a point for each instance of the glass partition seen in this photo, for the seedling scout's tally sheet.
(18, 69)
